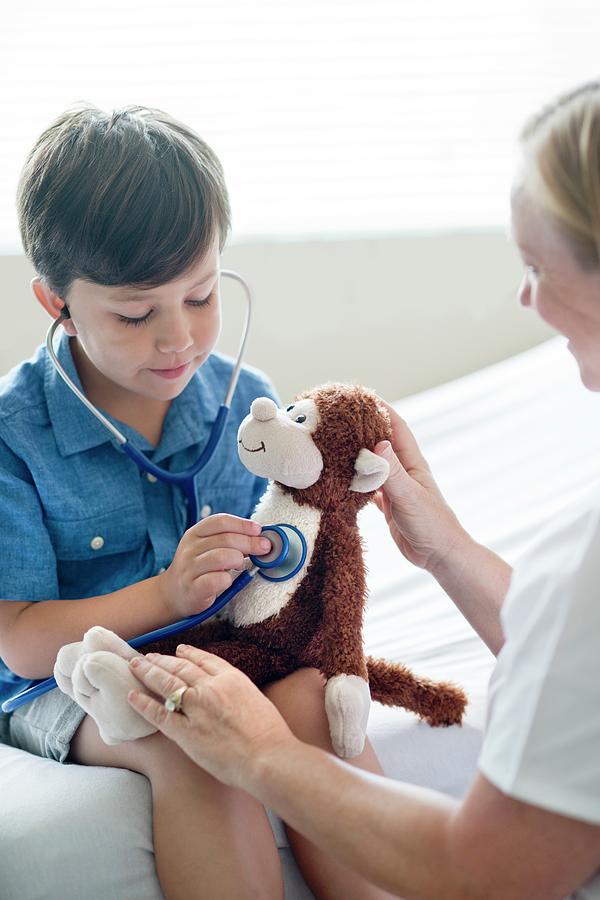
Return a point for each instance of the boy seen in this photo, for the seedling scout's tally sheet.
(124, 217)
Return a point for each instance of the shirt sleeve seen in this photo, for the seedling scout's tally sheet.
(542, 742)
(28, 563)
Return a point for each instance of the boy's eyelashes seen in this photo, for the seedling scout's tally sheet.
(143, 320)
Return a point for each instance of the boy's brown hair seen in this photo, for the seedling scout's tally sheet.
(129, 197)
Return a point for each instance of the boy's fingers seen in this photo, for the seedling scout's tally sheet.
(223, 522)
(245, 543)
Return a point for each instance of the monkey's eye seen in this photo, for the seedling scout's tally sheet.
(300, 419)
(290, 408)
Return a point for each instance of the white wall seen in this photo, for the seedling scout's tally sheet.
(398, 313)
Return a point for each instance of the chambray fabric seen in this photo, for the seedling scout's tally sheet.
(64, 483)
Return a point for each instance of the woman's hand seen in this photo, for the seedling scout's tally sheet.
(200, 570)
(421, 523)
(226, 725)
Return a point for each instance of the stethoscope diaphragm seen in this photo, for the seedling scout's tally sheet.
(286, 556)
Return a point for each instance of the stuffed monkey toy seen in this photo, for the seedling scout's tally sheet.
(318, 455)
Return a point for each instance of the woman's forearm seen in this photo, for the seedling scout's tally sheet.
(477, 580)
(404, 828)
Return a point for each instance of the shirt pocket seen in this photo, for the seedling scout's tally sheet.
(118, 531)
(234, 499)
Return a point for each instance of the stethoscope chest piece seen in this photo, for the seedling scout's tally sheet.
(287, 554)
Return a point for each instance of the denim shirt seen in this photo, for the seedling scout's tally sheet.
(77, 517)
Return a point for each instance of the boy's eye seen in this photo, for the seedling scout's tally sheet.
(204, 302)
(140, 320)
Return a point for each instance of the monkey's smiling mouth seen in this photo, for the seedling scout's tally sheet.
(256, 449)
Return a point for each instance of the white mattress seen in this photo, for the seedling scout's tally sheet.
(510, 446)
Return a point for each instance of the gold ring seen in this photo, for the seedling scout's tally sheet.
(174, 701)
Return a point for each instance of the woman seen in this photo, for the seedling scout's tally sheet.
(529, 826)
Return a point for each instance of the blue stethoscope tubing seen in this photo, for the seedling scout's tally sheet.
(186, 480)
(272, 568)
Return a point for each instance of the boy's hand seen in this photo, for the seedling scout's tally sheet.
(421, 523)
(206, 552)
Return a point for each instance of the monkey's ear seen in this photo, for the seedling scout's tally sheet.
(371, 471)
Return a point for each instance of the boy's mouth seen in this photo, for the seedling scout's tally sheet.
(171, 373)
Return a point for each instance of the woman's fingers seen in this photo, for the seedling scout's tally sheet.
(164, 674)
(398, 482)
(171, 724)
(404, 442)
(200, 658)
(162, 678)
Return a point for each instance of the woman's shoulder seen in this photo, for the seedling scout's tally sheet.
(553, 588)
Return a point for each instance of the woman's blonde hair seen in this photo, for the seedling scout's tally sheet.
(562, 167)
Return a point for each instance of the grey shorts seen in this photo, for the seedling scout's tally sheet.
(44, 727)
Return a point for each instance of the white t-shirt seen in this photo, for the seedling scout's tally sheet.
(542, 742)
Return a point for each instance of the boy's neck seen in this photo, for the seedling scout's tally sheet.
(144, 414)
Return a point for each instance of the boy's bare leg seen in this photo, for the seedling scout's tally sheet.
(300, 698)
(209, 840)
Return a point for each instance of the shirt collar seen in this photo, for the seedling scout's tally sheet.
(76, 429)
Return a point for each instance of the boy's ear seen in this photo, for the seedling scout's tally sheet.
(51, 302)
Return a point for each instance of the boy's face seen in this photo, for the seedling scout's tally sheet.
(147, 342)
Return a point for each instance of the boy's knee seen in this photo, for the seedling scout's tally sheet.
(300, 698)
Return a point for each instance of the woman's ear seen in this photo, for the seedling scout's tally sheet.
(52, 303)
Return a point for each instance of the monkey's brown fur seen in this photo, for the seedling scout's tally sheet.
(321, 625)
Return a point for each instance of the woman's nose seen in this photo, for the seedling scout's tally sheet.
(524, 292)
(263, 409)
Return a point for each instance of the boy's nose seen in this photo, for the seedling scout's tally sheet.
(175, 337)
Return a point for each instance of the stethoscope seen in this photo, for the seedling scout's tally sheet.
(288, 545)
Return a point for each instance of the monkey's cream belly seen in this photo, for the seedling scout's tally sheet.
(261, 598)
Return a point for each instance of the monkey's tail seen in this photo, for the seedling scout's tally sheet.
(438, 702)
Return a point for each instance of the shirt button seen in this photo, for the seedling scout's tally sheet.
(97, 543)
(205, 511)
(161, 570)
(151, 478)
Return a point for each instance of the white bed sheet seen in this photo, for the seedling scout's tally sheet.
(510, 446)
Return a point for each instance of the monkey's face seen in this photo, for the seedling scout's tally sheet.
(278, 444)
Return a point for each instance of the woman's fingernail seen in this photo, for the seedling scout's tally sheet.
(135, 661)
(265, 544)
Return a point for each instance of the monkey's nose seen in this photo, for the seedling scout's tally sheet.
(263, 409)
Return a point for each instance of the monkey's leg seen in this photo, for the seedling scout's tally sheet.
(198, 636)
(260, 665)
